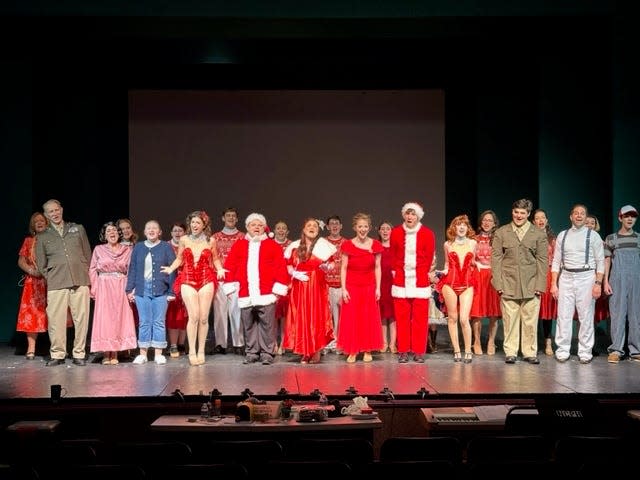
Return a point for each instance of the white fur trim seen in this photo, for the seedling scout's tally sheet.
(410, 292)
(255, 216)
(414, 206)
(323, 249)
(268, 299)
(290, 248)
(280, 289)
(253, 269)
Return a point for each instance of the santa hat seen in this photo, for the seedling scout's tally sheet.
(416, 207)
(255, 216)
(268, 231)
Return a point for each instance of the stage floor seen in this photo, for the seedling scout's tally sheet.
(486, 376)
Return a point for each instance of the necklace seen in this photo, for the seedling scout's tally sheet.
(461, 241)
(196, 238)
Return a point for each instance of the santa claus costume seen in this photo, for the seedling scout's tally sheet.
(413, 252)
(256, 268)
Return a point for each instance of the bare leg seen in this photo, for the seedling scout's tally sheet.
(476, 326)
(392, 336)
(385, 335)
(190, 299)
(31, 342)
(451, 301)
(205, 298)
(466, 299)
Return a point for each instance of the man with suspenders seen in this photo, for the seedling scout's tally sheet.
(577, 272)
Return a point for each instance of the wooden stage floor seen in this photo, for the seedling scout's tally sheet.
(486, 376)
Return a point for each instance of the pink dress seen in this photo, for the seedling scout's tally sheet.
(32, 313)
(386, 280)
(113, 328)
(360, 317)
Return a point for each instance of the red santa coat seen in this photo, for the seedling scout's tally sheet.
(257, 269)
(413, 252)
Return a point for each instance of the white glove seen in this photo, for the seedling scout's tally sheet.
(303, 277)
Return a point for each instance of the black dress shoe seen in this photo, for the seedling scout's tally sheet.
(79, 361)
(403, 358)
(55, 361)
(510, 359)
(532, 360)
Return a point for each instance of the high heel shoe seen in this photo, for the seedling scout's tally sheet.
(477, 349)
(468, 357)
(367, 357)
(200, 358)
(491, 349)
(351, 359)
(457, 357)
(193, 360)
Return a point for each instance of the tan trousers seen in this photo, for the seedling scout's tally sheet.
(520, 321)
(76, 300)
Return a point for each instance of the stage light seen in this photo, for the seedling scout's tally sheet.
(388, 394)
(178, 394)
(315, 393)
(423, 392)
(282, 392)
(246, 393)
(215, 393)
(352, 390)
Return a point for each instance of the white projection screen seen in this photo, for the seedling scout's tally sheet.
(288, 154)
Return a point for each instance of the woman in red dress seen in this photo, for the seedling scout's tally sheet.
(32, 313)
(177, 315)
(458, 283)
(281, 232)
(360, 284)
(386, 300)
(486, 301)
(309, 327)
(548, 304)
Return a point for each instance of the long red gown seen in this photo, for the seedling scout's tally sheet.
(308, 327)
(360, 317)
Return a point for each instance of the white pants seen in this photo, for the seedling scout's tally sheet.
(226, 307)
(575, 293)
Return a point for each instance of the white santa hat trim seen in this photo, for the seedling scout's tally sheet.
(416, 207)
(255, 216)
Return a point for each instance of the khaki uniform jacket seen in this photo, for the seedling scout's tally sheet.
(64, 260)
(519, 268)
